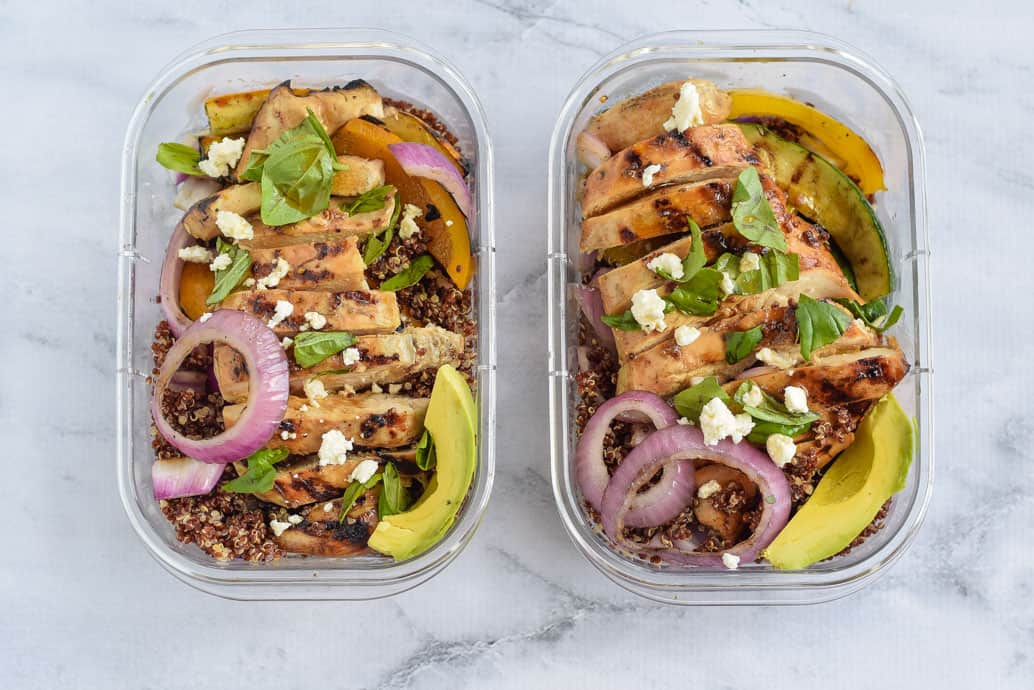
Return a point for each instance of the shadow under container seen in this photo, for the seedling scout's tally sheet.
(399, 68)
(847, 85)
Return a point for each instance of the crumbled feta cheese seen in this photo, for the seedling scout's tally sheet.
(205, 317)
(730, 561)
(686, 111)
(775, 359)
(195, 254)
(334, 448)
(314, 390)
(374, 388)
(694, 380)
(286, 342)
(669, 263)
(279, 527)
(708, 489)
(749, 262)
(648, 173)
(781, 449)
(796, 399)
(448, 223)
(363, 471)
(280, 270)
(285, 434)
(686, 335)
(648, 311)
(717, 422)
(222, 156)
(350, 356)
(281, 311)
(408, 226)
(303, 408)
(754, 397)
(315, 319)
(220, 263)
(327, 507)
(394, 388)
(249, 282)
(684, 421)
(295, 519)
(727, 285)
(234, 225)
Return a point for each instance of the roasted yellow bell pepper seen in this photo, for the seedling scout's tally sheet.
(824, 135)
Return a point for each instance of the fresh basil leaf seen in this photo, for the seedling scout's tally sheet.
(696, 258)
(622, 322)
(393, 498)
(818, 324)
(352, 493)
(775, 269)
(739, 344)
(410, 275)
(771, 409)
(179, 157)
(260, 475)
(426, 456)
(372, 200)
(377, 245)
(751, 213)
(296, 181)
(230, 277)
(874, 313)
(312, 347)
(700, 295)
(691, 401)
(762, 430)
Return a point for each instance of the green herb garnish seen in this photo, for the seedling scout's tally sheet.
(874, 313)
(622, 322)
(775, 269)
(231, 276)
(393, 499)
(818, 324)
(179, 157)
(696, 258)
(410, 275)
(312, 347)
(751, 213)
(372, 200)
(353, 491)
(770, 409)
(378, 244)
(426, 457)
(700, 295)
(739, 344)
(260, 475)
(691, 401)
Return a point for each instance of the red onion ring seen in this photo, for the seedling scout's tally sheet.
(591, 150)
(754, 371)
(168, 289)
(686, 443)
(423, 160)
(589, 301)
(268, 386)
(179, 477)
(661, 502)
(196, 381)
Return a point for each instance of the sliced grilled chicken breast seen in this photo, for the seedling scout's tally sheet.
(242, 199)
(372, 420)
(700, 153)
(356, 311)
(643, 116)
(334, 266)
(384, 359)
(332, 223)
(359, 176)
(321, 533)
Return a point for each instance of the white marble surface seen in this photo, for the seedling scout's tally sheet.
(83, 605)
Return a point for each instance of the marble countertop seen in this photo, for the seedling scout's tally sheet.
(83, 604)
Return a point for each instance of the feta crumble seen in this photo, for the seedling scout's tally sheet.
(280, 270)
(286, 435)
(686, 111)
(408, 226)
(195, 254)
(717, 422)
(669, 263)
(295, 519)
(286, 342)
(222, 156)
(234, 225)
(753, 397)
(648, 311)
(648, 173)
(249, 282)
(350, 356)
(334, 448)
(796, 399)
(727, 285)
(686, 335)
(363, 471)
(708, 489)
(781, 449)
(315, 391)
(749, 262)
(730, 561)
(220, 263)
(694, 380)
(327, 507)
(279, 527)
(684, 421)
(775, 359)
(281, 311)
(205, 317)
(315, 319)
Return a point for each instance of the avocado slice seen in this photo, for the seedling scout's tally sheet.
(452, 422)
(827, 196)
(851, 493)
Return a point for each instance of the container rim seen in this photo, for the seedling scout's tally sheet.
(299, 579)
(752, 585)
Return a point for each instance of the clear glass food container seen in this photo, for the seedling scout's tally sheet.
(838, 80)
(398, 67)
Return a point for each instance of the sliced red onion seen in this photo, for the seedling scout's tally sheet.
(591, 471)
(169, 287)
(754, 371)
(686, 443)
(591, 150)
(196, 381)
(268, 386)
(424, 160)
(182, 177)
(179, 477)
(589, 301)
(193, 190)
(585, 261)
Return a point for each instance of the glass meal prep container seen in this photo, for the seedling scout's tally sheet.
(397, 67)
(837, 80)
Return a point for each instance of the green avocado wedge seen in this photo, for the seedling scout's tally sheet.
(820, 191)
(851, 493)
(452, 422)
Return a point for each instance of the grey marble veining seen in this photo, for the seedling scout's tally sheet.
(84, 606)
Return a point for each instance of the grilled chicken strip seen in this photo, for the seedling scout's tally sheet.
(359, 176)
(322, 534)
(643, 116)
(332, 223)
(700, 153)
(242, 199)
(665, 369)
(284, 110)
(334, 266)
(373, 420)
(662, 212)
(357, 311)
(383, 359)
